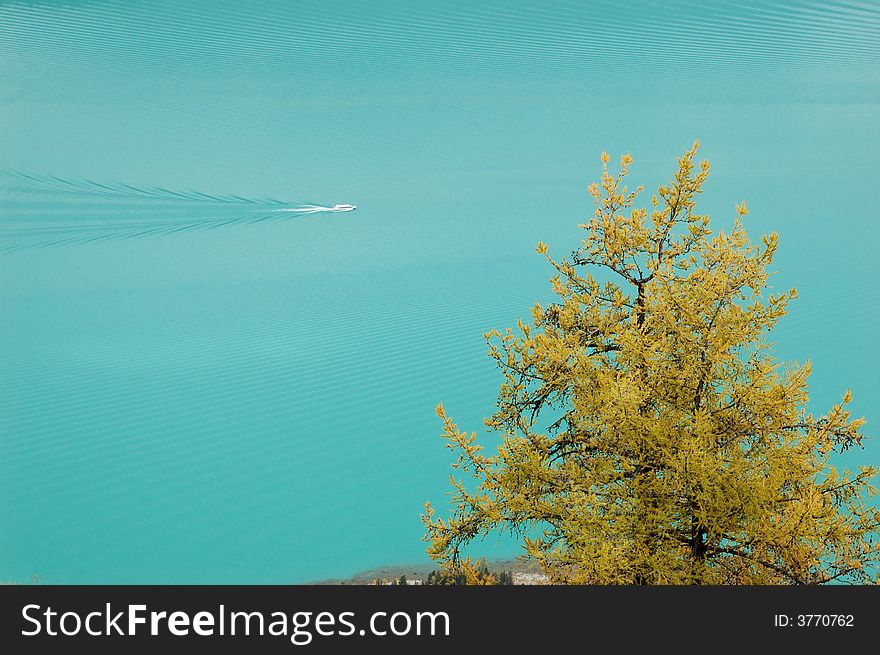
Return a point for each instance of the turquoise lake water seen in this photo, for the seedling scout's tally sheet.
(197, 389)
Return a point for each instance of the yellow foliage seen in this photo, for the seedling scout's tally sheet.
(647, 433)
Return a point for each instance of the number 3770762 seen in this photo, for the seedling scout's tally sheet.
(814, 620)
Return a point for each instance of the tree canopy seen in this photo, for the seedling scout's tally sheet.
(648, 434)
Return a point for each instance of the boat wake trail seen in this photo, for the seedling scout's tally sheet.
(43, 211)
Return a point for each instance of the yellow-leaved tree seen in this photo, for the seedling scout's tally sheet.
(647, 433)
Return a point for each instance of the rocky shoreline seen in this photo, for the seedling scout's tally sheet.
(417, 574)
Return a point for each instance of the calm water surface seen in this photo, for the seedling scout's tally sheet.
(195, 388)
